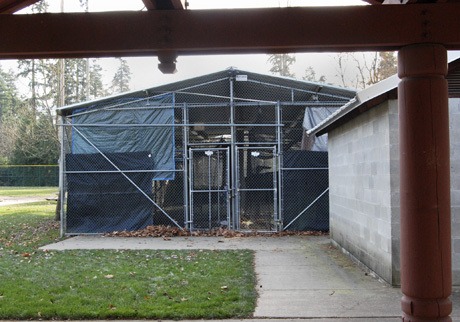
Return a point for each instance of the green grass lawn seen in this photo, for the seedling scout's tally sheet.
(37, 284)
(28, 191)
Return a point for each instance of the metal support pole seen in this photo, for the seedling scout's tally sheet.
(185, 165)
(279, 158)
(62, 214)
(426, 271)
(233, 191)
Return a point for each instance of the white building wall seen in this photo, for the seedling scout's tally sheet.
(364, 188)
(360, 190)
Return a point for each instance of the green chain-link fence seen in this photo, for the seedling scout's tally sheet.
(29, 175)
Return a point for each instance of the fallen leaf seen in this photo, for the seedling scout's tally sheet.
(108, 276)
(166, 232)
(225, 287)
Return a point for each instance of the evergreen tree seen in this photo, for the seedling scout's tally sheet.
(9, 105)
(35, 140)
(96, 86)
(388, 64)
(75, 81)
(281, 64)
(9, 98)
(122, 77)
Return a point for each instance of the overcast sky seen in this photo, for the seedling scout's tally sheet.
(146, 74)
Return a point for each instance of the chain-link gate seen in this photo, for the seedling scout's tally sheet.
(257, 189)
(209, 188)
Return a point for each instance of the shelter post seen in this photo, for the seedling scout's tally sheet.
(426, 272)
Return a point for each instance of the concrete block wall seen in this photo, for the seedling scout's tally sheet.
(360, 190)
(366, 150)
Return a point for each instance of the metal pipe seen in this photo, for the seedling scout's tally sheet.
(176, 125)
(233, 160)
(300, 169)
(185, 165)
(125, 171)
(227, 187)
(299, 90)
(90, 111)
(62, 179)
(191, 177)
(279, 159)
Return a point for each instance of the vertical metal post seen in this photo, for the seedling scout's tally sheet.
(219, 176)
(61, 176)
(237, 196)
(279, 139)
(275, 188)
(426, 271)
(233, 190)
(185, 164)
(209, 192)
(227, 173)
(190, 164)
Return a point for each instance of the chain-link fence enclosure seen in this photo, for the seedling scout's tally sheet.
(29, 175)
(223, 150)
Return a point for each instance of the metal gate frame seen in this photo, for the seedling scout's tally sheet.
(237, 211)
(209, 152)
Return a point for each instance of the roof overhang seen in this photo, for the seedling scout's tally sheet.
(369, 98)
(197, 32)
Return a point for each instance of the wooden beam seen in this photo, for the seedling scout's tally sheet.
(11, 6)
(193, 32)
(164, 4)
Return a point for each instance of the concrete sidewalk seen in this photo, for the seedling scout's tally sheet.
(8, 201)
(299, 277)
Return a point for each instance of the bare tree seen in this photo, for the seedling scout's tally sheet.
(366, 69)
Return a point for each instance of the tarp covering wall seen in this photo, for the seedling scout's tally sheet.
(312, 117)
(302, 187)
(113, 137)
(104, 202)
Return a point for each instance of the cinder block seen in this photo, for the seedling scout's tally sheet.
(456, 246)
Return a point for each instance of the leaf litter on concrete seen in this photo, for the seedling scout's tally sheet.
(170, 231)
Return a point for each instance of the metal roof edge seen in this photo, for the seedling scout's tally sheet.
(345, 109)
(364, 96)
(145, 92)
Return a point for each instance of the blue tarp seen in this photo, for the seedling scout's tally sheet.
(104, 202)
(119, 131)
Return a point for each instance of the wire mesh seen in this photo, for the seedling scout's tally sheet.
(29, 175)
(220, 151)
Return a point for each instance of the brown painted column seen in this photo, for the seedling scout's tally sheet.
(426, 272)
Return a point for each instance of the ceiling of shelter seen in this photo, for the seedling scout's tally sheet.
(11, 6)
(167, 33)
